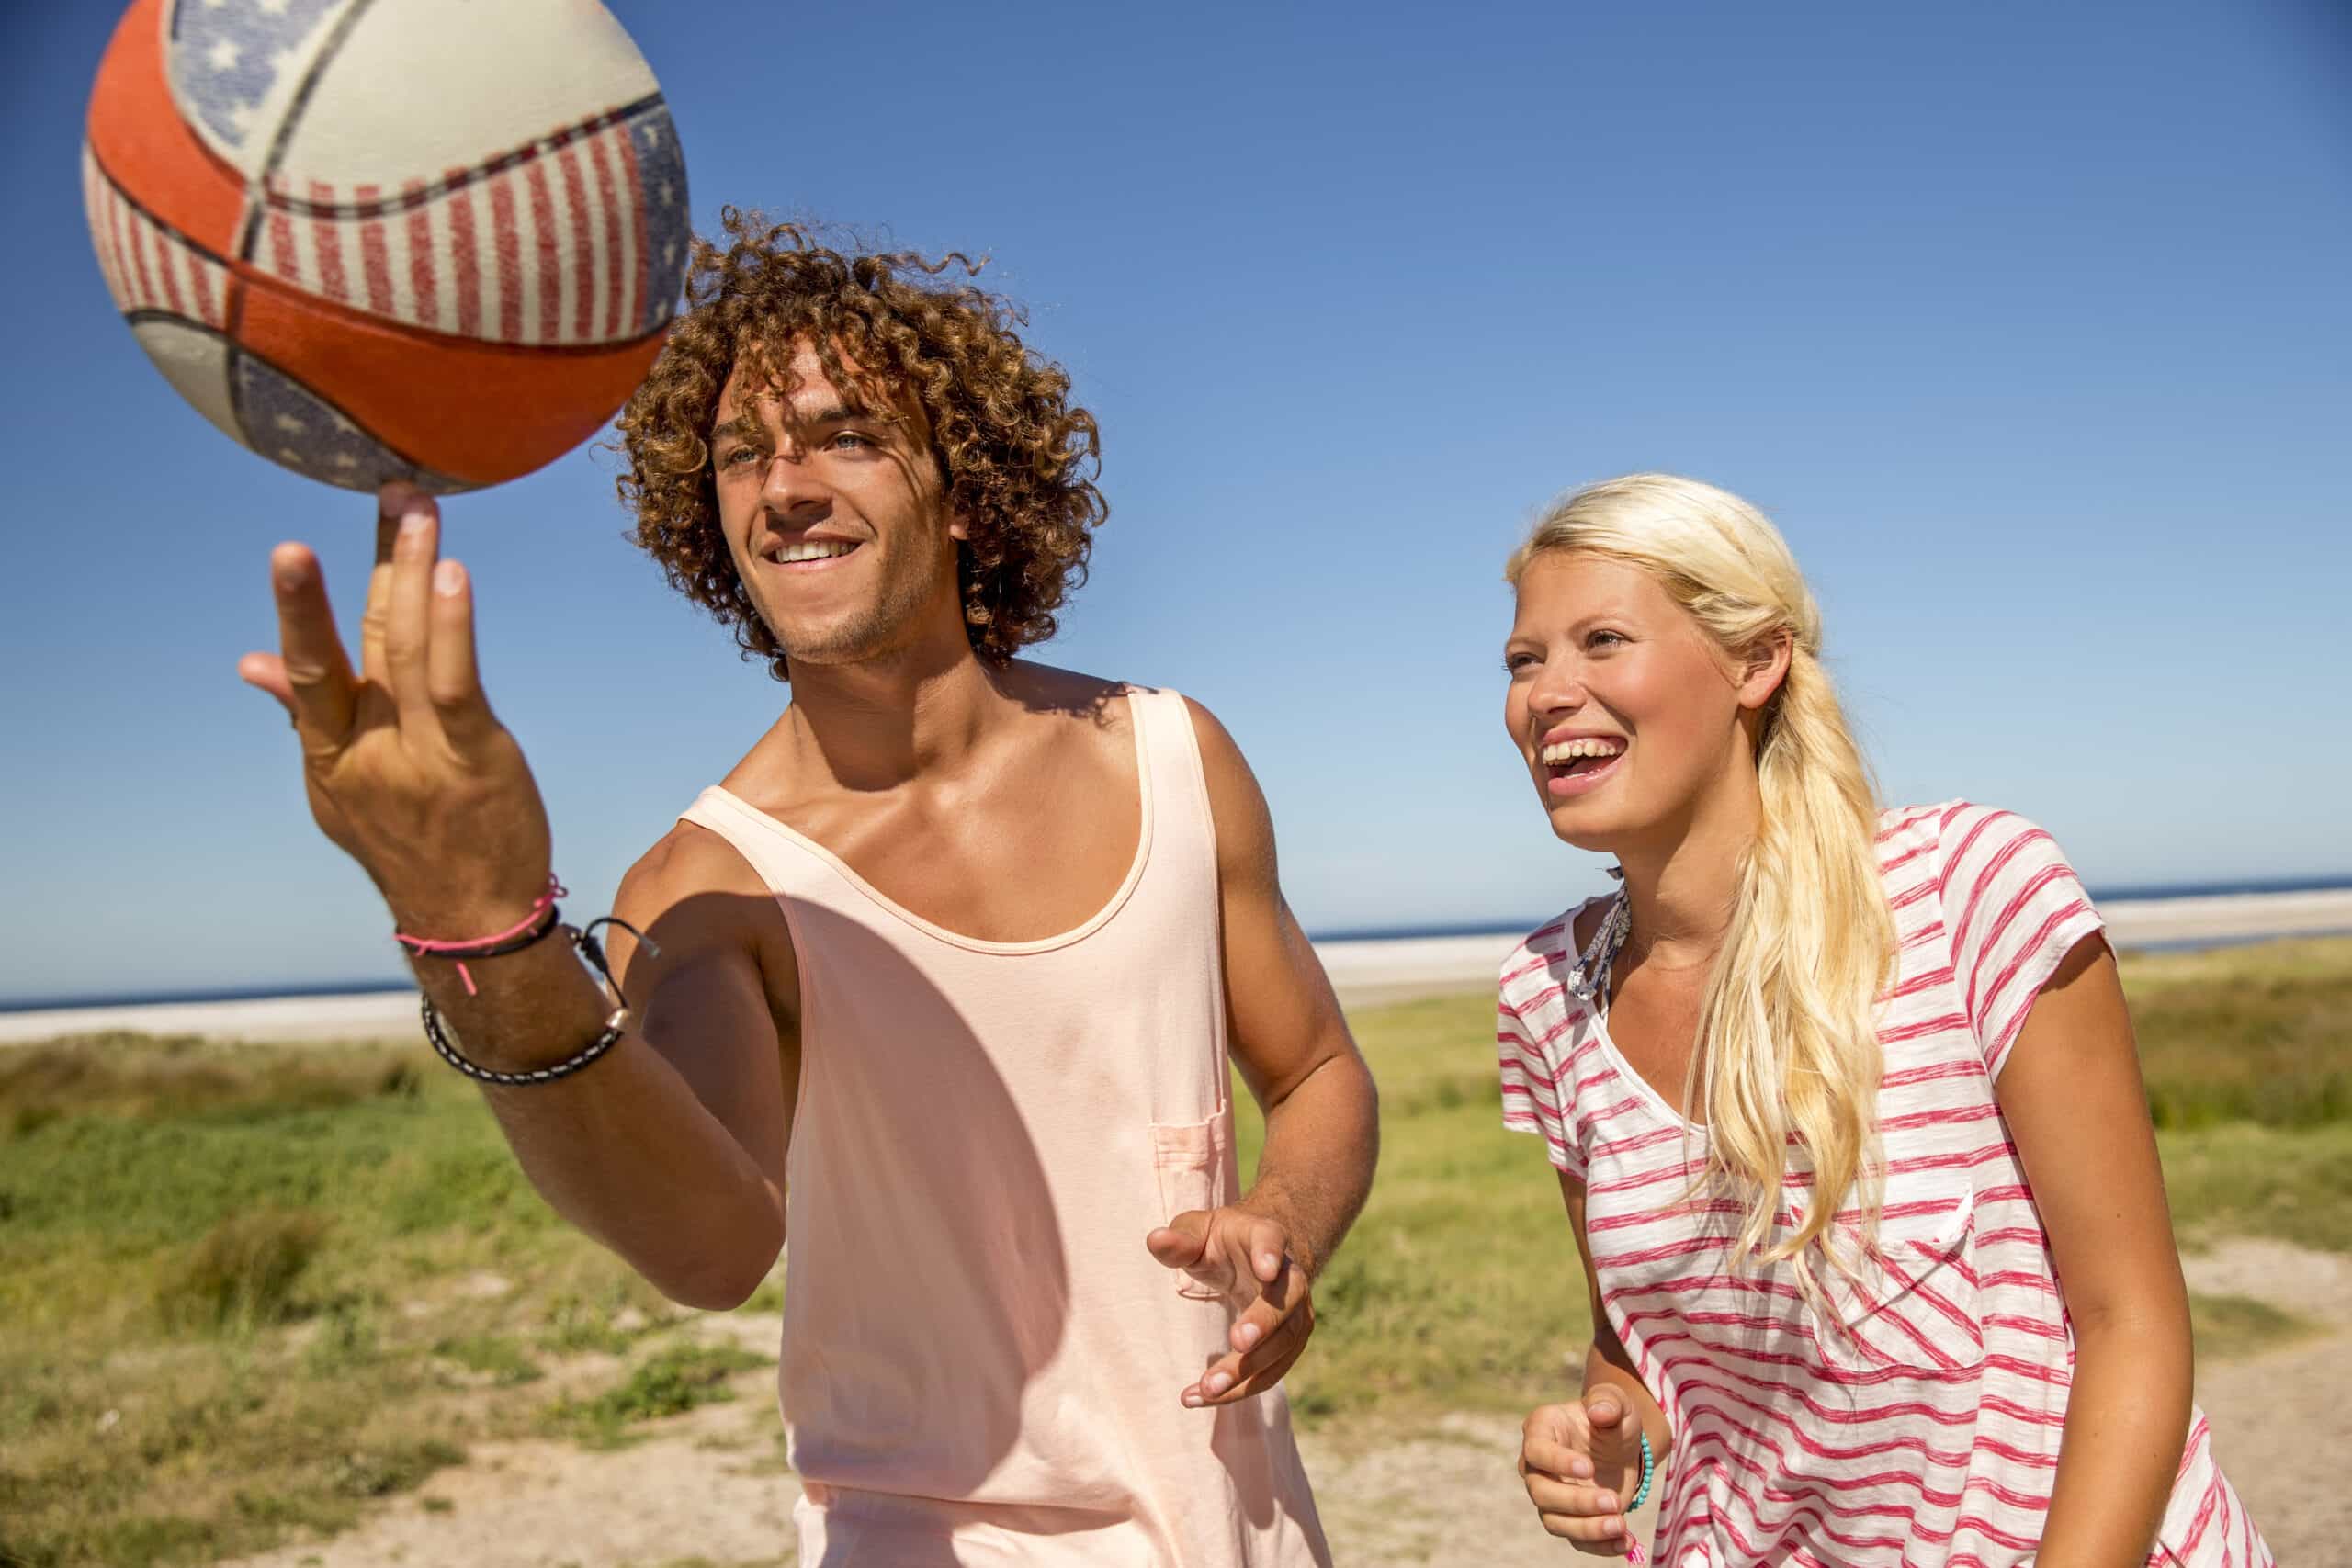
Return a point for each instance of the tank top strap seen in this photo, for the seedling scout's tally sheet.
(787, 866)
(1182, 830)
(1176, 864)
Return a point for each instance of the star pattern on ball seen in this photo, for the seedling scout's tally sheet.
(229, 56)
(312, 436)
(662, 175)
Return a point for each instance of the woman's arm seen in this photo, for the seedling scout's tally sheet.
(1607, 1363)
(1581, 1462)
(2070, 1090)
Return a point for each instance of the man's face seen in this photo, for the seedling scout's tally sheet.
(835, 512)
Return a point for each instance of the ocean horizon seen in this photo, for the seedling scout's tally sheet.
(391, 983)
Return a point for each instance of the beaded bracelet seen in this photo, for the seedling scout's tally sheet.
(1634, 1553)
(1649, 1469)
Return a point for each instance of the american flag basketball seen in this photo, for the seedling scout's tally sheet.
(432, 240)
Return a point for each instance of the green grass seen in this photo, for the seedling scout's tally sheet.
(672, 1381)
(235, 1286)
(2239, 1325)
(2295, 1185)
(248, 1291)
(2259, 1033)
(1459, 1287)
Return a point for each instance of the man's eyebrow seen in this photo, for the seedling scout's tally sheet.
(742, 427)
(746, 426)
(839, 413)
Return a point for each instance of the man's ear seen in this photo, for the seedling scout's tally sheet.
(958, 528)
(1765, 668)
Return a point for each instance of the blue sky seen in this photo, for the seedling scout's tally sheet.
(2027, 323)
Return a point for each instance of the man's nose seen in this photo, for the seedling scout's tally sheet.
(791, 485)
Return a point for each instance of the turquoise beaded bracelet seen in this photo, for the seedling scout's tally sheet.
(1649, 1469)
(1634, 1553)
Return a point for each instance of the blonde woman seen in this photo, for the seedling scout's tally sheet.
(1837, 1098)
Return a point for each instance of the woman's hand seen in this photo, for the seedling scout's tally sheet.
(1580, 1463)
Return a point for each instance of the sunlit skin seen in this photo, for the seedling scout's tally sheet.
(675, 1150)
(830, 465)
(1598, 649)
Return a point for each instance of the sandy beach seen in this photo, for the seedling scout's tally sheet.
(1363, 972)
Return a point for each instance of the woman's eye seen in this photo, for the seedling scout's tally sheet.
(1515, 663)
(1603, 640)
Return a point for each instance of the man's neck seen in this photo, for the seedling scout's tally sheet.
(881, 722)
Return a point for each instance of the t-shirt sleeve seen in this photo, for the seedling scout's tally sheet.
(1530, 1098)
(2013, 909)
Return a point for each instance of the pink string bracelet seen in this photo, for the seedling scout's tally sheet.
(513, 938)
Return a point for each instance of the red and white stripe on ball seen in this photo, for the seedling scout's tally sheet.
(545, 246)
(147, 267)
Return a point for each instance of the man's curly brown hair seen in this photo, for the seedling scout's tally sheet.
(1018, 463)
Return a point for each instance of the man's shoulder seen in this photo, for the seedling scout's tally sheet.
(688, 860)
(1046, 688)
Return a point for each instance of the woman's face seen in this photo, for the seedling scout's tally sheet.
(1625, 712)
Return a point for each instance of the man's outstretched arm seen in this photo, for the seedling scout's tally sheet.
(408, 770)
(1322, 1113)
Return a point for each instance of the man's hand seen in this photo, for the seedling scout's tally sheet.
(408, 770)
(1250, 1258)
(1579, 1463)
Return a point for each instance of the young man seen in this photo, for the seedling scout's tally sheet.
(942, 976)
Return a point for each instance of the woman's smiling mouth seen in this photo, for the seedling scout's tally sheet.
(1580, 764)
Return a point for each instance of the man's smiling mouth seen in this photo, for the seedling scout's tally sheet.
(808, 550)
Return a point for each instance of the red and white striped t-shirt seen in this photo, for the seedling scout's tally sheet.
(1924, 1428)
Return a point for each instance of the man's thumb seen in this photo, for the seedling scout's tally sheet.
(1181, 1242)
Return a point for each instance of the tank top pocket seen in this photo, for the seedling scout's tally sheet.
(1192, 1158)
(1913, 1305)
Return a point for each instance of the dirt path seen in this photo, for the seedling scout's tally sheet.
(2283, 1422)
(706, 1489)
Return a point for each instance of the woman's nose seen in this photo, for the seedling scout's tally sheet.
(1558, 688)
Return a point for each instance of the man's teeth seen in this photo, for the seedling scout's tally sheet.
(812, 549)
(1569, 750)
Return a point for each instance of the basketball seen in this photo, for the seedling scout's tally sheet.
(437, 240)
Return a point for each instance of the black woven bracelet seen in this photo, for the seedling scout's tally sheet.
(615, 1027)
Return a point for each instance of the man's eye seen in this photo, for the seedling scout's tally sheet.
(848, 441)
(737, 456)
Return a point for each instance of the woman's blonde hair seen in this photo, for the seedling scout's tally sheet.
(1788, 1047)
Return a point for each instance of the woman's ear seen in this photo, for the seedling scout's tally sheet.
(1765, 668)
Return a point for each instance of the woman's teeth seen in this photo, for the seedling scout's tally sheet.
(813, 549)
(1561, 753)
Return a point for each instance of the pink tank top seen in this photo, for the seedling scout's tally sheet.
(980, 1361)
